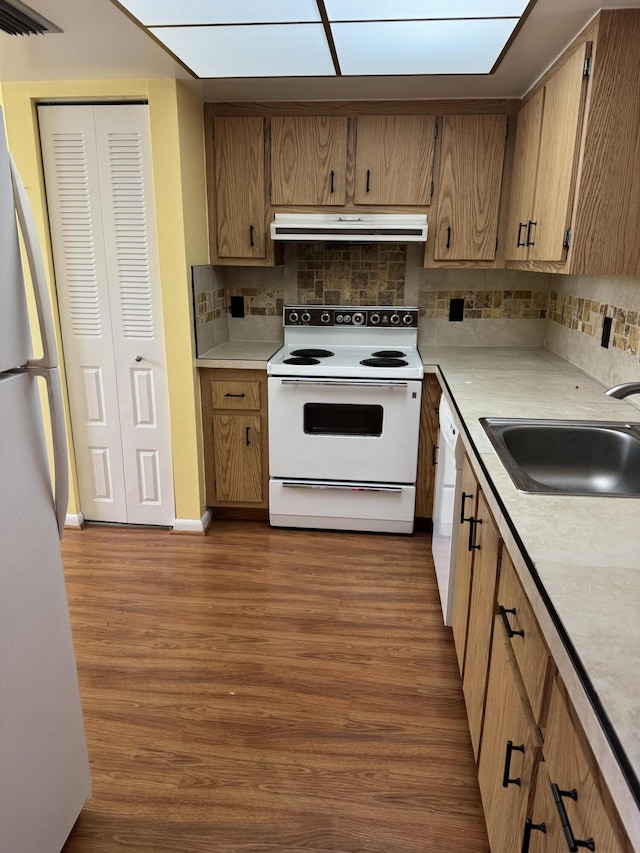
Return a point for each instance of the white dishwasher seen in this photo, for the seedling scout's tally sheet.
(446, 506)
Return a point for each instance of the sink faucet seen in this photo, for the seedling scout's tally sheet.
(624, 390)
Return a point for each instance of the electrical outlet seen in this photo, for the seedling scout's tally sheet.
(606, 332)
(237, 306)
(456, 310)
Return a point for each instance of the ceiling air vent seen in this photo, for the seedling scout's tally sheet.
(19, 20)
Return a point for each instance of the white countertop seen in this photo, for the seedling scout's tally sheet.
(241, 355)
(585, 550)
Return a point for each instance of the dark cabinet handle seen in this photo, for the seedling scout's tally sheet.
(530, 827)
(521, 242)
(531, 225)
(434, 461)
(573, 843)
(233, 395)
(251, 229)
(472, 522)
(506, 781)
(368, 186)
(247, 435)
(448, 246)
(505, 619)
(465, 496)
(331, 182)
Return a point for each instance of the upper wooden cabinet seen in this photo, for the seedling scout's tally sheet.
(308, 160)
(238, 205)
(547, 145)
(580, 140)
(394, 159)
(469, 181)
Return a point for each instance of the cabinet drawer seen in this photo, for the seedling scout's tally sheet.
(572, 769)
(526, 640)
(235, 395)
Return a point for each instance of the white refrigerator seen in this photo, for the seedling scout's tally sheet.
(44, 767)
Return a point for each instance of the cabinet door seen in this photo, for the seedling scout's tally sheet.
(481, 610)
(425, 480)
(240, 201)
(542, 832)
(464, 561)
(571, 768)
(238, 458)
(394, 159)
(469, 181)
(510, 750)
(308, 159)
(523, 181)
(562, 115)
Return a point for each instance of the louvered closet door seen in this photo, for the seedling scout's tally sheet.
(97, 164)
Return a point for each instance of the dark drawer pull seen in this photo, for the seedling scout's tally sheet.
(368, 186)
(505, 619)
(521, 242)
(331, 189)
(233, 395)
(530, 827)
(464, 498)
(506, 781)
(531, 225)
(472, 522)
(448, 246)
(251, 229)
(573, 843)
(434, 461)
(247, 436)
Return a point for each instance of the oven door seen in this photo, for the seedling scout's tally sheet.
(362, 430)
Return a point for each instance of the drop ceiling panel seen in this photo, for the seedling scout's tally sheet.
(421, 47)
(250, 51)
(173, 12)
(372, 10)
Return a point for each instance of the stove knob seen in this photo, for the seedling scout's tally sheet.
(339, 318)
(347, 318)
(324, 318)
(305, 317)
(358, 318)
(407, 319)
(374, 319)
(293, 317)
(395, 319)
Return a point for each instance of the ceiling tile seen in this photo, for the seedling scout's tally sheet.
(372, 10)
(168, 12)
(421, 47)
(250, 51)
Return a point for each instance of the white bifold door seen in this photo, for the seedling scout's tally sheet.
(97, 167)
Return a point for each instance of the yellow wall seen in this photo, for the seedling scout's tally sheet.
(179, 183)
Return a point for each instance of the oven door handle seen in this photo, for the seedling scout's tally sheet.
(341, 487)
(348, 383)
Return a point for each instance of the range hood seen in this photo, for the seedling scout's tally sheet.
(350, 227)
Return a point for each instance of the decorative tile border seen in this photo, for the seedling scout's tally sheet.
(586, 315)
(347, 274)
(258, 302)
(210, 305)
(486, 304)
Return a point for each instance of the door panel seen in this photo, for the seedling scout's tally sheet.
(97, 162)
(238, 458)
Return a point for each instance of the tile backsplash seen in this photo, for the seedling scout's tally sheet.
(486, 304)
(586, 316)
(258, 302)
(351, 274)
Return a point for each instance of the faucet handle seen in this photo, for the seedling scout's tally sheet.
(623, 390)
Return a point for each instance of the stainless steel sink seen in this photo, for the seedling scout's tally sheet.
(569, 457)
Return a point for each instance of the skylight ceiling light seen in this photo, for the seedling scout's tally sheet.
(301, 38)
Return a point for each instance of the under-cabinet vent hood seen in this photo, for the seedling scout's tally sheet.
(350, 227)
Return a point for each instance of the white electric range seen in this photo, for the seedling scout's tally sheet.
(344, 415)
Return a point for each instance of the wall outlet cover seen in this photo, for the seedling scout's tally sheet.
(606, 332)
(456, 310)
(237, 306)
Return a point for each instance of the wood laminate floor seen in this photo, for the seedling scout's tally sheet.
(261, 690)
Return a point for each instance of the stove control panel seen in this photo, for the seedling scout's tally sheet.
(324, 315)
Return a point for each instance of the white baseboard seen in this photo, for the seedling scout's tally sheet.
(189, 525)
(75, 520)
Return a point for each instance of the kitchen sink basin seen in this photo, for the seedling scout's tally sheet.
(569, 457)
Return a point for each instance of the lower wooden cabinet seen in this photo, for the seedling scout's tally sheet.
(427, 446)
(463, 530)
(234, 419)
(510, 751)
